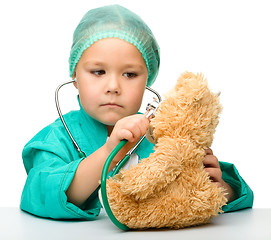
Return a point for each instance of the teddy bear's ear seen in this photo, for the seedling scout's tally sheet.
(191, 86)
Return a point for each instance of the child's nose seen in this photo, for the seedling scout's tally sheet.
(113, 85)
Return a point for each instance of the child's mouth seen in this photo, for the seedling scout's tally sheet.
(111, 105)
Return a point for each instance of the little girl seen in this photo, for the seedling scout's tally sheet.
(113, 58)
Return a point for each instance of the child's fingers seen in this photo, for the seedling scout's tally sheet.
(126, 134)
(214, 173)
(211, 166)
(132, 128)
(209, 151)
(144, 125)
(138, 125)
(211, 161)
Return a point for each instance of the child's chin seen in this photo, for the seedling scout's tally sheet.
(110, 122)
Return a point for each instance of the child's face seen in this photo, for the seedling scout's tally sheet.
(111, 79)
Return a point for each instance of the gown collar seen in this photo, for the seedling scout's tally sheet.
(94, 131)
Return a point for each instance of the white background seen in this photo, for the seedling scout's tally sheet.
(228, 41)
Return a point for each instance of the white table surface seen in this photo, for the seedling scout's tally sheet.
(246, 224)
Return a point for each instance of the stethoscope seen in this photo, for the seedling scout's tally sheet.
(151, 109)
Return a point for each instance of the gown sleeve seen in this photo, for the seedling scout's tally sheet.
(51, 162)
(243, 194)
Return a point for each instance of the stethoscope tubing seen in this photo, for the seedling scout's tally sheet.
(81, 153)
(108, 161)
(103, 183)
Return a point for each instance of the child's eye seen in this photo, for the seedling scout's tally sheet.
(98, 72)
(130, 75)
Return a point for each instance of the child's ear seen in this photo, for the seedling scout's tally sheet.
(75, 80)
(75, 83)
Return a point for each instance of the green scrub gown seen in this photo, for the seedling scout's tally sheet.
(51, 160)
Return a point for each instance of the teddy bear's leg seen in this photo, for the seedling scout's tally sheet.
(124, 207)
(138, 214)
(204, 198)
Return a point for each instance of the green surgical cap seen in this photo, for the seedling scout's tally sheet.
(115, 22)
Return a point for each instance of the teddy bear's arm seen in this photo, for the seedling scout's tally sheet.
(153, 173)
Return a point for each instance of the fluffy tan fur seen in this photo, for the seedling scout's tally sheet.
(170, 188)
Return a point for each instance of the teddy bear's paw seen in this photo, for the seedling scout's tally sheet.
(133, 183)
(142, 186)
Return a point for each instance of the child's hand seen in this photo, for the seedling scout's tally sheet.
(130, 128)
(212, 167)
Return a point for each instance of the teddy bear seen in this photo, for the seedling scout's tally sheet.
(170, 188)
